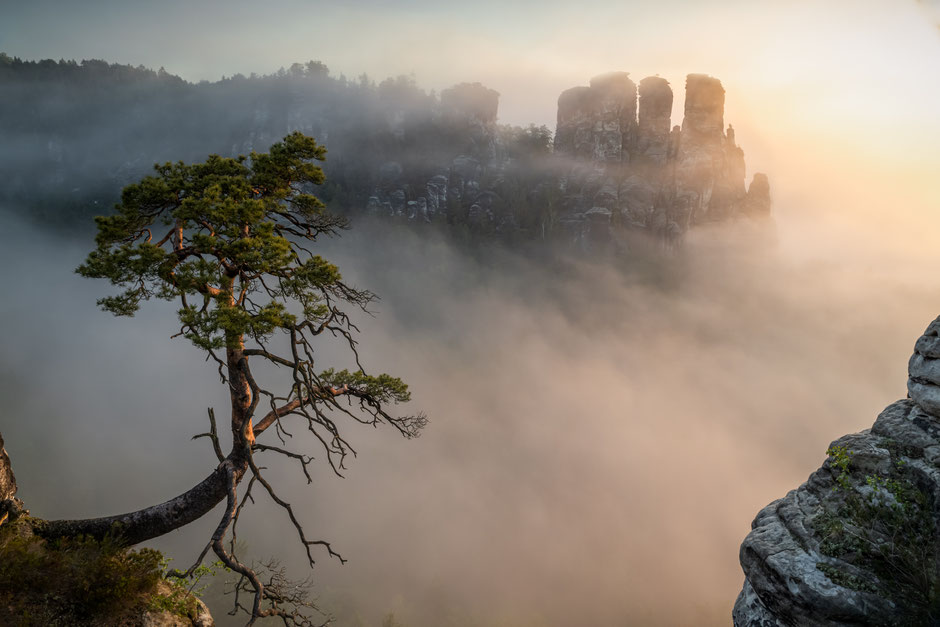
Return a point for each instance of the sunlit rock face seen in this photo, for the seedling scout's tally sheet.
(858, 543)
(709, 169)
(704, 107)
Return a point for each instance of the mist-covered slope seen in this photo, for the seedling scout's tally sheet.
(598, 439)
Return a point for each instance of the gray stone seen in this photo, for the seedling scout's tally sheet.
(790, 557)
(925, 395)
(925, 369)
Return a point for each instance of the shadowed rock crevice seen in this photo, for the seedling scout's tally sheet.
(857, 544)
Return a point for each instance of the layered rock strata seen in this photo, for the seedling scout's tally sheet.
(858, 543)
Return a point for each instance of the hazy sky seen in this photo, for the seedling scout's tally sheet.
(845, 80)
(527, 50)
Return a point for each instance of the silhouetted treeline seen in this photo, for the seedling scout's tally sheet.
(74, 133)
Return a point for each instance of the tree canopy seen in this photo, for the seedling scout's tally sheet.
(230, 240)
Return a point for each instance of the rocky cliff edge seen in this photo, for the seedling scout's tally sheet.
(859, 542)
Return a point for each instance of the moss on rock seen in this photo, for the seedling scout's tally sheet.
(81, 581)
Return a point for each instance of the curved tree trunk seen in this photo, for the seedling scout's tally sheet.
(133, 527)
(156, 520)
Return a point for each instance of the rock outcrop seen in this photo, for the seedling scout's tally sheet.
(858, 543)
(709, 166)
(625, 162)
(653, 121)
(617, 166)
(598, 122)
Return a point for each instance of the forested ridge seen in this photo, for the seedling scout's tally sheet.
(76, 132)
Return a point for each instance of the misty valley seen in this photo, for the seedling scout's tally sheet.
(398, 364)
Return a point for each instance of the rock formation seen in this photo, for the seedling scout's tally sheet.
(598, 122)
(617, 166)
(858, 543)
(626, 163)
(709, 166)
(653, 120)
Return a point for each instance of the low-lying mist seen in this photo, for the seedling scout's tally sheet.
(599, 440)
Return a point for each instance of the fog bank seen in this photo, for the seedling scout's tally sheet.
(599, 439)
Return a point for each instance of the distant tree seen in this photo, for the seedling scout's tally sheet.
(317, 68)
(529, 142)
(229, 240)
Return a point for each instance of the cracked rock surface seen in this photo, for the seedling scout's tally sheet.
(858, 543)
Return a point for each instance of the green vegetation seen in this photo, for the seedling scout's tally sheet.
(882, 529)
(73, 581)
(840, 460)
